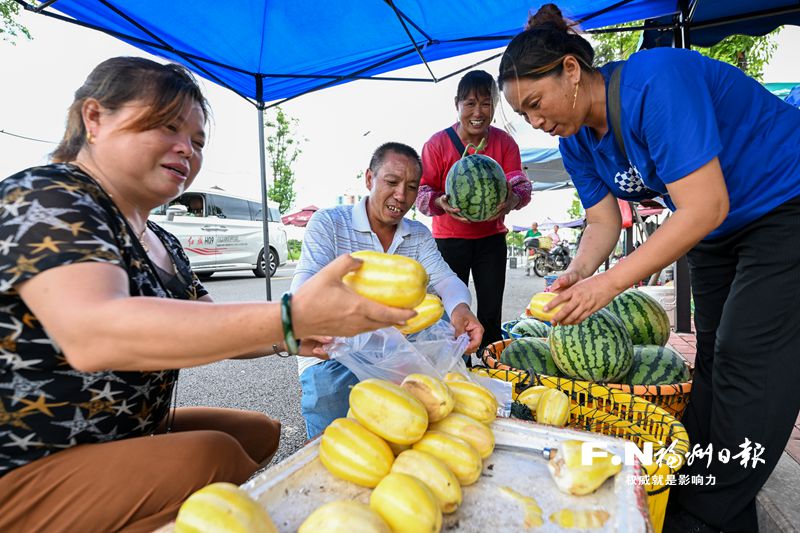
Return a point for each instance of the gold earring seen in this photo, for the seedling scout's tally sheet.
(575, 96)
(89, 137)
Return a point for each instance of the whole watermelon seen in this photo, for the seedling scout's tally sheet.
(506, 327)
(656, 365)
(476, 184)
(529, 327)
(644, 318)
(597, 349)
(528, 353)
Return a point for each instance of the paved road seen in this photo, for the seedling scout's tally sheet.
(270, 384)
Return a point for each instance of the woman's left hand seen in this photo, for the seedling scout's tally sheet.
(582, 299)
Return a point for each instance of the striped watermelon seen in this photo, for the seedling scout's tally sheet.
(506, 327)
(529, 353)
(644, 318)
(597, 349)
(529, 327)
(656, 365)
(476, 184)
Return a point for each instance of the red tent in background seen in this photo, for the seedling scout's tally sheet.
(300, 218)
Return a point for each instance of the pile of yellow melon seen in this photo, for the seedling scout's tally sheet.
(415, 444)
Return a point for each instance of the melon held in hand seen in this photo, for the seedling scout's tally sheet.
(476, 185)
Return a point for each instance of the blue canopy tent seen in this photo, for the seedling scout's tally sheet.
(545, 169)
(281, 49)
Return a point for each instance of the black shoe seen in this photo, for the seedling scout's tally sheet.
(678, 520)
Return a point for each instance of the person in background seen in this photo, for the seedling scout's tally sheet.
(376, 223)
(196, 206)
(533, 232)
(99, 308)
(554, 235)
(685, 136)
(474, 247)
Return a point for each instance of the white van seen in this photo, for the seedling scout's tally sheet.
(220, 231)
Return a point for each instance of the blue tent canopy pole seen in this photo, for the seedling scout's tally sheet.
(683, 287)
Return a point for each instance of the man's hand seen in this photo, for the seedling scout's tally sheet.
(450, 210)
(464, 321)
(311, 346)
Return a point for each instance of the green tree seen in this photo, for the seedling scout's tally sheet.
(514, 238)
(283, 148)
(294, 246)
(576, 209)
(10, 28)
(615, 46)
(751, 54)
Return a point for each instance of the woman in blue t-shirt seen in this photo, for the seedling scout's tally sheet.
(724, 154)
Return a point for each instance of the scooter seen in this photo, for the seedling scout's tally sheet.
(556, 259)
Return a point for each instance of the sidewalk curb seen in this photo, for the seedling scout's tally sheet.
(777, 502)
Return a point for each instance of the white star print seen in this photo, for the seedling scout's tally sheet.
(18, 363)
(106, 393)
(6, 245)
(123, 408)
(79, 424)
(13, 209)
(24, 387)
(24, 442)
(38, 214)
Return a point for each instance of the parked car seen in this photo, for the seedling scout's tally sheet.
(222, 232)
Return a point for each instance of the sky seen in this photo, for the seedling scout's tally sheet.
(341, 126)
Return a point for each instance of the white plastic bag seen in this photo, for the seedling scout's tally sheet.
(435, 351)
(388, 354)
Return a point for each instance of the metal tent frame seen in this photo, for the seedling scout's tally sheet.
(675, 28)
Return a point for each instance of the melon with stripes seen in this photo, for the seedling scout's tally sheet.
(656, 365)
(528, 353)
(529, 327)
(476, 185)
(644, 318)
(506, 327)
(598, 349)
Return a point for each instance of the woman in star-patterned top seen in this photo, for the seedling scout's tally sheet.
(99, 308)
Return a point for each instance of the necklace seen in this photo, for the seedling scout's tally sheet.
(140, 236)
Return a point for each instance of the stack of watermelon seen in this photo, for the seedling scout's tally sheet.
(623, 343)
(529, 327)
(530, 353)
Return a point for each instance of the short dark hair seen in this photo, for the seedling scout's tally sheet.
(540, 50)
(165, 89)
(379, 155)
(479, 82)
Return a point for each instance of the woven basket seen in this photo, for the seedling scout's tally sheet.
(608, 411)
(672, 398)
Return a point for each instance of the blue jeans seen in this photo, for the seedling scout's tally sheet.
(326, 394)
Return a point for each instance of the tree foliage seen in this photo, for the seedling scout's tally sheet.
(514, 238)
(751, 54)
(10, 29)
(294, 247)
(283, 148)
(575, 210)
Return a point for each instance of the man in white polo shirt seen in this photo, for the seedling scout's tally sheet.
(375, 223)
